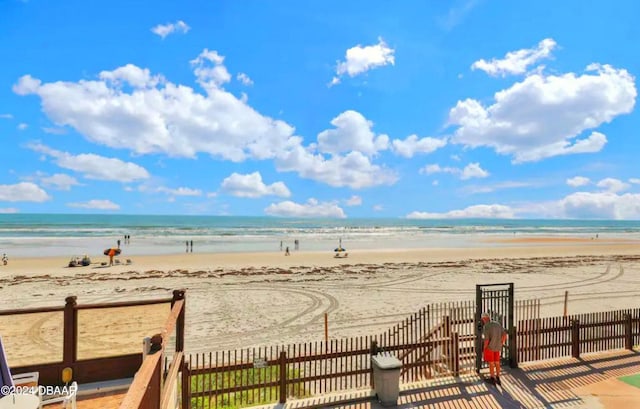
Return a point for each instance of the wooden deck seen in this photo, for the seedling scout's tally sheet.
(589, 382)
(102, 401)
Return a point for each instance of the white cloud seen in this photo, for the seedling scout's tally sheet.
(494, 211)
(634, 181)
(540, 116)
(352, 133)
(378, 208)
(361, 59)
(59, 181)
(9, 210)
(95, 204)
(354, 200)
(22, 126)
(578, 181)
(244, 78)
(154, 115)
(435, 183)
(166, 118)
(252, 186)
(496, 186)
(135, 76)
(23, 192)
(472, 170)
(210, 70)
(412, 145)
(601, 205)
(93, 166)
(164, 30)
(354, 170)
(516, 62)
(612, 185)
(312, 208)
(456, 14)
(54, 131)
(6, 116)
(181, 191)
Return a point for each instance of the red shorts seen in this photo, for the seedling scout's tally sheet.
(491, 356)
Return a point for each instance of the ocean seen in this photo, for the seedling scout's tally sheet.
(33, 235)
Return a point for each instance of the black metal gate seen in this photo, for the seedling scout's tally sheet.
(497, 301)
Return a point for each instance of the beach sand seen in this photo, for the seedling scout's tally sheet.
(243, 300)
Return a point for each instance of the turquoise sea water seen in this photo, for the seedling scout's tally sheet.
(68, 234)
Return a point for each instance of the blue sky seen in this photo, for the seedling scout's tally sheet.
(419, 109)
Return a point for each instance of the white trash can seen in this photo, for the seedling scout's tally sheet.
(386, 378)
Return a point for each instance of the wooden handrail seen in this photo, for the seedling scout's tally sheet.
(141, 382)
(170, 323)
(171, 379)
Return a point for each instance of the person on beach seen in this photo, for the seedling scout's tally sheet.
(187, 243)
(5, 259)
(494, 338)
(286, 252)
(191, 246)
(118, 243)
(111, 254)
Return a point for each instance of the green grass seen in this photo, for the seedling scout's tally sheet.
(633, 380)
(243, 377)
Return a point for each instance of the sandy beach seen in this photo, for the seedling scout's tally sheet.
(255, 299)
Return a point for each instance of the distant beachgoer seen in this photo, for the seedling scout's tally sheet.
(187, 243)
(286, 252)
(118, 243)
(5, 259)
(280, 245)
(192, 246)
(494, 338)
(296, 244)
(111, 254)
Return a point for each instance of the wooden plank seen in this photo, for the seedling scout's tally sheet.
(170, 380)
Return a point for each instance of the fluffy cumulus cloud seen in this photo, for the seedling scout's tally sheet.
(252, 186)
(23, 192)
(354, 169)
(472, 170)
(244, 78)
(634, 181)
(413, 145)
(95, 204)
(130, 108)
(578, 181)
(93, 166)
(164, 30)
(516, 62)
(59, 181)
(359, 60)
(612, 185)
(546, 115)
(156, 116)
(312, 208)
(494, 211)
(600, 205)
(352, 132)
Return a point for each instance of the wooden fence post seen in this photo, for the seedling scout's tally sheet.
(455, 340)
(513, 347)
(566, 302)
(180, 295)
(575, 339)
(283, 377)
(70, 334)
(628, 333)
(186, 386)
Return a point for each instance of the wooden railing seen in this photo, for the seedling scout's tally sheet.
(156, 384)
(557, 337)
(84, 370)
